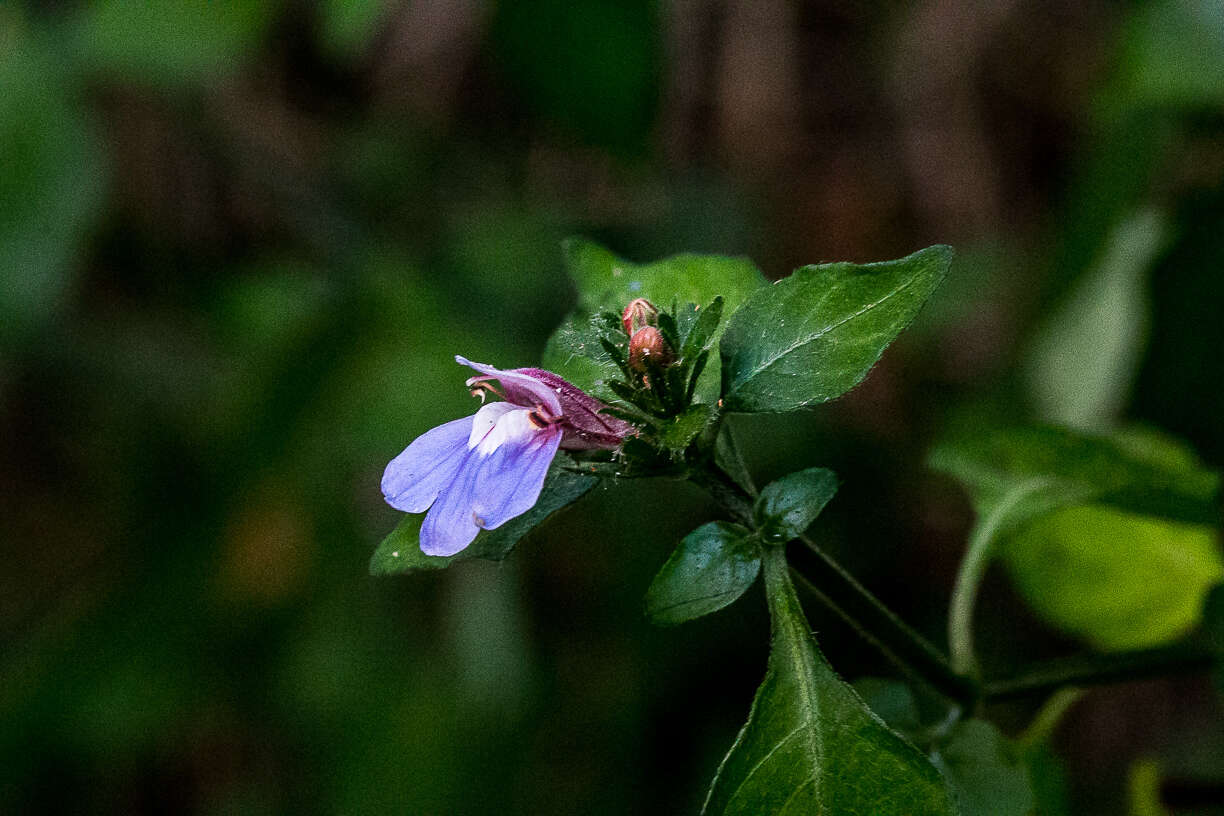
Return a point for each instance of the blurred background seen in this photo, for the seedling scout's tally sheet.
(240, 243)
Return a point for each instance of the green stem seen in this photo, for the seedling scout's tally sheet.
(849, 599)
(1097, 670)
(969, 578)
(1048, 717)
(879, 625)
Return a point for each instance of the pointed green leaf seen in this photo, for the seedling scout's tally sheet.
(401, 550)
(1117, 579)
(788, 506)
(700, 329)
(985, 771)
(710, 568)
(607, 282)
(813, 336)
(810, 745)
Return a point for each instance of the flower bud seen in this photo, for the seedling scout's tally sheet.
(647, 348)
(638, 314)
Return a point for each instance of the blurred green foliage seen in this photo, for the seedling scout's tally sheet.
(240, 244)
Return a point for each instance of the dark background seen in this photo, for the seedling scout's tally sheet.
(240, 243)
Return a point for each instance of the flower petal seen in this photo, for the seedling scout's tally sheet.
(500, 478)
(509, 480)
(521, 389)
(586, 426)
(486, 421)
(448, 526)
(413, 480)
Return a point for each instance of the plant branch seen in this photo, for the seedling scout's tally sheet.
(1098, 670)
(850, 600)
(879, 624)
(969, 577)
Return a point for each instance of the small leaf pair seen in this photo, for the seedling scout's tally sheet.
(717, 563)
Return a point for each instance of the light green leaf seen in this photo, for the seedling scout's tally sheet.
(710, 568)
(1118, 579)
(606, 282)
(1137, 471)
(813, 336)
(985, 771)
(401, 550)
(1082, 362)
(810, 745)
(788, 506)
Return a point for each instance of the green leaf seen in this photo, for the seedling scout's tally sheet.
(575, 351)
(710, 568)
(985, 771)
(699, 328)
(401, 551)
(607, 282)
(810, 745)
(892, 701)
(1139, 471)
(1172, 57)
(1082, 362)
(813, 336)
(1118, 579)
(789, 505)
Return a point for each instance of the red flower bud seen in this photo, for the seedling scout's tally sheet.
(639, 313)
(648, 348)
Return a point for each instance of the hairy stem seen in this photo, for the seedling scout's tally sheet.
(894, 638)
(850, 600)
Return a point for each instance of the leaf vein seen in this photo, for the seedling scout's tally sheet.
(806, 339)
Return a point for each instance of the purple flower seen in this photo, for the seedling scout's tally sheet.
(481, 471)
